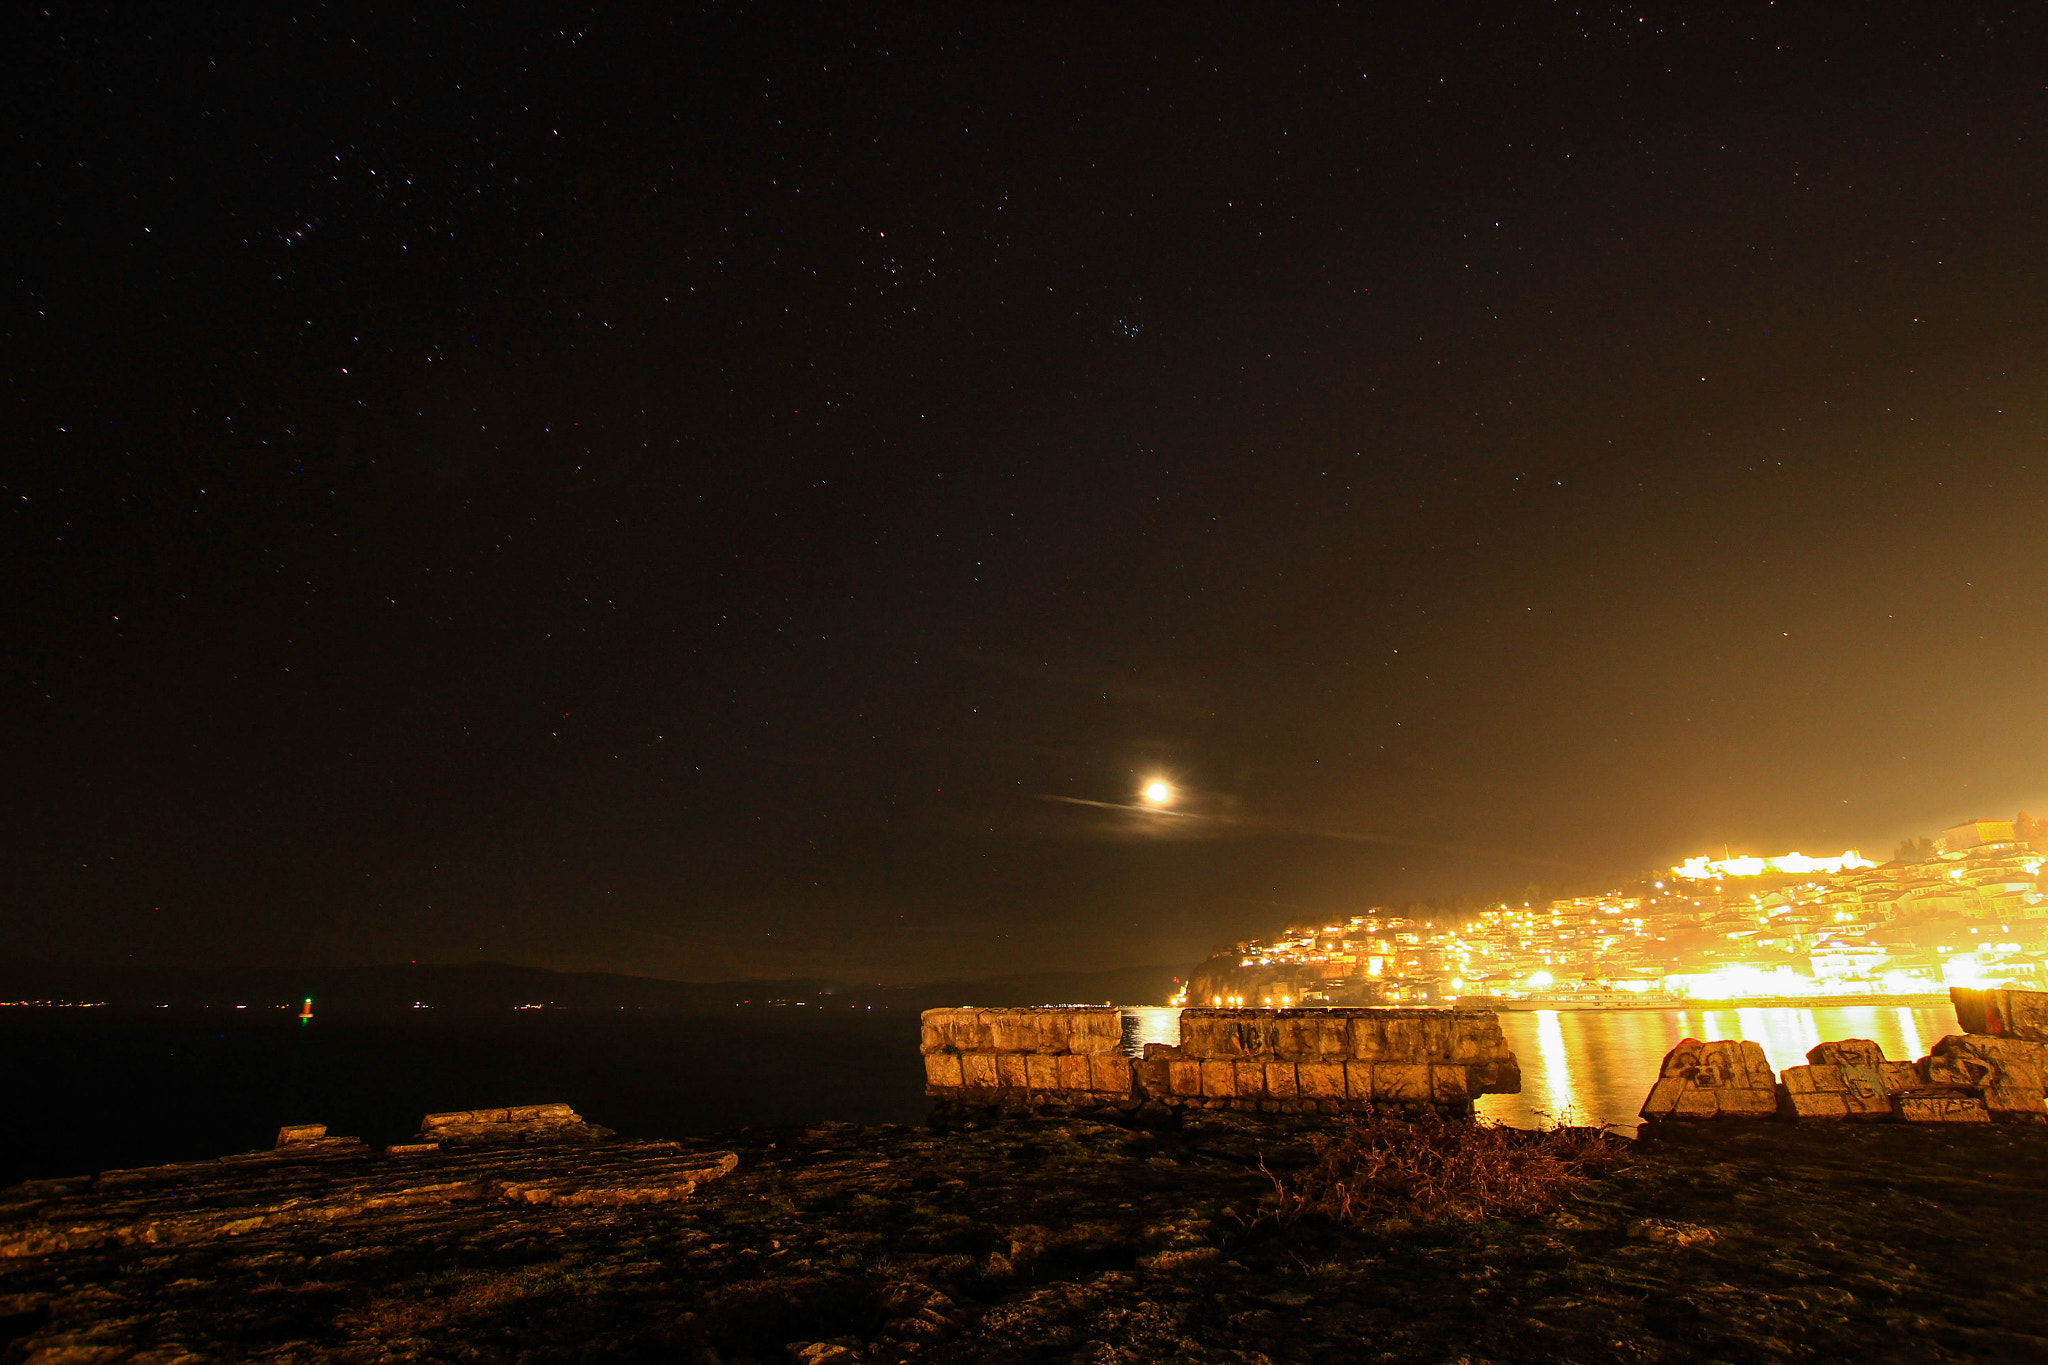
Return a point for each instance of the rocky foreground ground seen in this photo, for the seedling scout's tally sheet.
(1088, 1242)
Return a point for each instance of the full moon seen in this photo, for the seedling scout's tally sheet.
(1158, 793)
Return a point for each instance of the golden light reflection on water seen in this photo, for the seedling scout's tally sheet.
(1150, 1024)
(1554, 1069)
(1595, 1066)
(1909, 1030)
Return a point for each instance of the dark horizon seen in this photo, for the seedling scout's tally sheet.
(715, 495)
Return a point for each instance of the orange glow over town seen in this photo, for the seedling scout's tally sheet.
(1966, 910)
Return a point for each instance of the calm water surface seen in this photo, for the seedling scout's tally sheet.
(1595, 1066)
(91, 1093)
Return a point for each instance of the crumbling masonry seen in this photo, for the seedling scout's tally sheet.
(1306, 1061)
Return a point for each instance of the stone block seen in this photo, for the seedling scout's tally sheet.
(1747, 1102)
(1184, 1077)
(301, 1132)
(1807, 1105)
(1439, 1032)
(1358, 1082)
(1500, 1077)
(1847, 1052)
(1401, 1042)
(1294, 1036)
(542, 1113)
(521, 1124)
(1926, 1106)
(2014, 1104)
(1219, 1080)
(942, 1070)
(1447, 1085)
(1316, 1036)
(1075, 1072)
(1368, 1036)
(1731, 1078)
(1696, 1104)
(1229, 1034)
(2025, 1014)
(1400, 1083)
(1095, 1031)
(1026, 1031)
(1161, 1052)
(1863, 1089)
(1681, 1060)
(1251, 1080)
(1010, 1071)
(978, 1069)
(1110, 1075)
(1829, 1079)
(1098, 1032)
(1819, 1079)
(1967, 1059)
(1723, 1065)
(2002, 1013)
(1320, 1080)
(1898, 1076)
(1042, 1072)
(957, 1030)
(1478, 1039)
(1976, 1010)
(1965, 1071)
(1281, 1081)
(1663, 1098)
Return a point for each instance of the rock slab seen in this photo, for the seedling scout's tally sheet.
(319, 1181)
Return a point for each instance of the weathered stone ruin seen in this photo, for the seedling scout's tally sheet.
(1996, 1071)
(2002, 1013)
(1845, 1080)
(1712, 1080)
(1302, 1061)
(508, 1127)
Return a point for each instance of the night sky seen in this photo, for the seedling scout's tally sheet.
(740, 489)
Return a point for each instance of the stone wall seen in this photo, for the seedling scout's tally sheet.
(1302, 1061)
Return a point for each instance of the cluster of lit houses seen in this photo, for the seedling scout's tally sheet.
(1972, 912)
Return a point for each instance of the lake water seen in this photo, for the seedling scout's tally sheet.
(1595, 1066)
(93, 1090)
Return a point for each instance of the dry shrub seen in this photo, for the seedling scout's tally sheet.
(1426, 1170)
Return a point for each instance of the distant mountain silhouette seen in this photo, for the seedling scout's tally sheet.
(461, 987)
(489, 987)
(1122, 986)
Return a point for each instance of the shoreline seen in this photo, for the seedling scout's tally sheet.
(1083, 1240)
(1720, 1006)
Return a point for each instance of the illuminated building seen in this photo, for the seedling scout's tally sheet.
(1738, 928)
(1975, 834)
(1793, 864)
